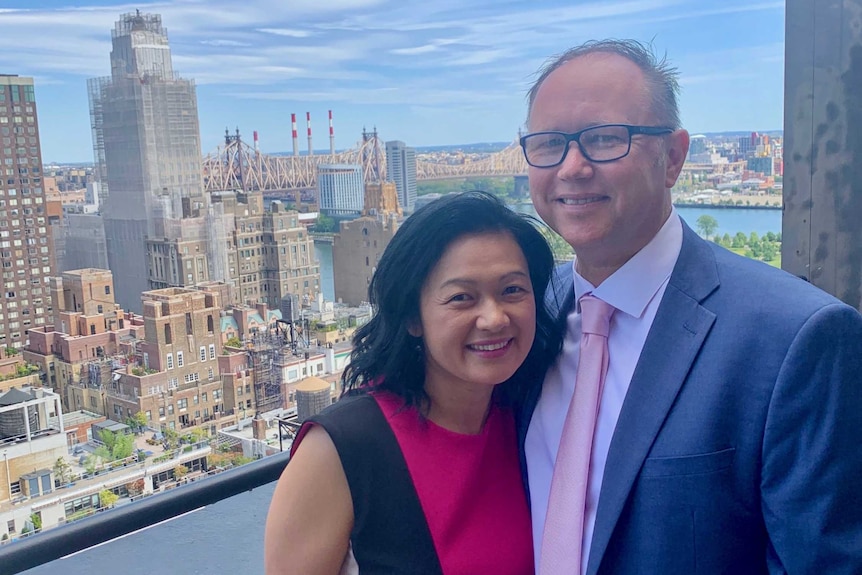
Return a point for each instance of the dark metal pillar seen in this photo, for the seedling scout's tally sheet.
(822, 223)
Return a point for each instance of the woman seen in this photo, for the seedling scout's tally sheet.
(416, 469)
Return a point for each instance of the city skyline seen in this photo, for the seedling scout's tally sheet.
(426, 75)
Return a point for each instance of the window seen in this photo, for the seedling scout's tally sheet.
(183, 404)
(162, 412)
(179, 359)
(168, 334)
(203, 353)
(212, 351)
(107, 290)
(170, 361)
(204, 397)
(170, 409)
(196, 399)
(77, 505)
(149, 415)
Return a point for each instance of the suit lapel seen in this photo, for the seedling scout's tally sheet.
(681, 325)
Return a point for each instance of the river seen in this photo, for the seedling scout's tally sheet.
(730, 220)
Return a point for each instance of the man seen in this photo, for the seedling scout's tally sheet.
(726, 435)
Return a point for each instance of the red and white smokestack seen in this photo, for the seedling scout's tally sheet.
(295, 139)
(308, 122)
(256, 146)
(331, 136)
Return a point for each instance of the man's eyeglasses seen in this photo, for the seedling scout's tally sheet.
(604, 143)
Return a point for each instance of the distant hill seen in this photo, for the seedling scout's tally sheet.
(477, 148)
(738, 133)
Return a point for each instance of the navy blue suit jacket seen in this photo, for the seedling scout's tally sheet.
(738, 446)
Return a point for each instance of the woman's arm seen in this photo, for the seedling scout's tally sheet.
(311, 514)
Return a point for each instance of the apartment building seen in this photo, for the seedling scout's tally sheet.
(174, 378)
(88, 334)
(25, 252)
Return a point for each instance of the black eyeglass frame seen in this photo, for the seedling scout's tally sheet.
(576, 137)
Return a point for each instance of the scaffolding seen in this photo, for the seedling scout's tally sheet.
(265, 358)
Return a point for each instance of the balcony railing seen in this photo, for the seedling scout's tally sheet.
(58, 542)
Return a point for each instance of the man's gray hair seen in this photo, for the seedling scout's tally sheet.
(662, 79)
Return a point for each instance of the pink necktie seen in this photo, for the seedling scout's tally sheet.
(562, 539)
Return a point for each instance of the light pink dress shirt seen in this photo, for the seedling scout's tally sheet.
(635, 290)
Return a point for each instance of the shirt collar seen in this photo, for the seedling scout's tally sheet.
(633, 286)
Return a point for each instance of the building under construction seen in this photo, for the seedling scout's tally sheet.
(146, 140)
(266, 358)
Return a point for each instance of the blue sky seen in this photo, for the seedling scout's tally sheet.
(428, 73)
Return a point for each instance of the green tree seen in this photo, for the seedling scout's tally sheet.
(107, 498)
(102, 455)
(124, 446)
(91, 462)
(769, 251)
(756, 250)
(325, 224)
(726, 240)
(706, 225)
(180, 471)
(138, 421)
(62, 470)
(172, 438)
(233, 342)
(117, 445)
(36, 519)
(197, 435)
(753, 238)
(770, 236)
(739, 240)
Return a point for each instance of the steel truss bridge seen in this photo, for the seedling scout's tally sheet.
(238, 166)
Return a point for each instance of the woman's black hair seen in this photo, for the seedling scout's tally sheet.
(385, 356)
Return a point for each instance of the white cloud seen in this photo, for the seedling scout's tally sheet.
(415, 50)
(223, 43)
(290, 33)
(429, 56)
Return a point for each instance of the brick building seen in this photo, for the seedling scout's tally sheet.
(25, 252)
(88, 332)
(175, 379)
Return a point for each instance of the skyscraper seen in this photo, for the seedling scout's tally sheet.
(25, 251)
(401, 169)
(340, 189)
(146, 140)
